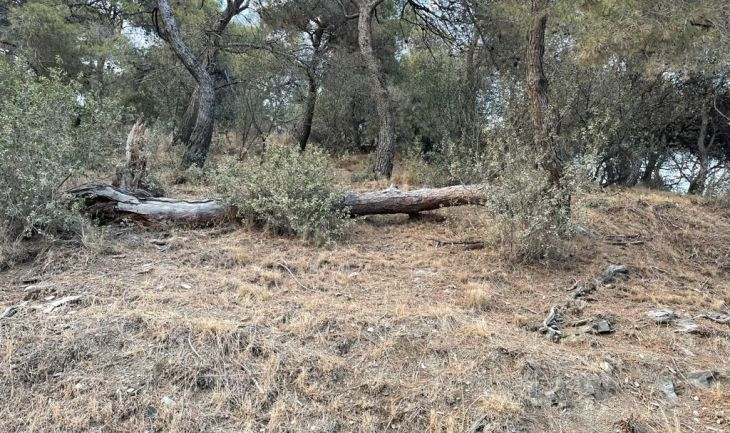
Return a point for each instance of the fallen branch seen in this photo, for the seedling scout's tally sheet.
(625, 239)
(468, 245)
(109, 203)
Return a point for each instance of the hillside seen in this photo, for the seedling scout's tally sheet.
(231, 329)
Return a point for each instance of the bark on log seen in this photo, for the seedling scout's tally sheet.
(394, 201)
(107, 202)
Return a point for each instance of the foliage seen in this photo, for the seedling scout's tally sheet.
(289, 191)
(531, 217)
(49, 132)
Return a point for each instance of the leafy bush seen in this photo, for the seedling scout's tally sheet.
(290, 192)
(529, 220)
(49, 133)
(531, 217)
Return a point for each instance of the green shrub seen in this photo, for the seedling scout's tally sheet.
(289, 191)
(49, 133)
(530, 218)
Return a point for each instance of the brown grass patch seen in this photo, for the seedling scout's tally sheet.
(385, 332)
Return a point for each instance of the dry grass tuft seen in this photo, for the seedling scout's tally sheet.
(477, 297)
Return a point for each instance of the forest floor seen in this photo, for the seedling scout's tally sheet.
(231, 329)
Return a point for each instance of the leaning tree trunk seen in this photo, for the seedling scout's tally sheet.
(187, 122)
(109, 203)
(537, 89)
(305, 124)
(196, 151)
(203, 98)
(197, 145)
(385, 151)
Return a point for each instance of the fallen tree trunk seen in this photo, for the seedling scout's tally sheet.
(394, 201)
(108, 203)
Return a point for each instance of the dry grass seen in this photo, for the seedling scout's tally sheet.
(247, 332)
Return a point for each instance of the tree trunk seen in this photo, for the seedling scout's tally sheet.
(697, 186)
(196, 151)
(202, 102)
(394, 201)
(110, 203)
(537, 89)
(652, 162)
(187, 122)
(385, 151)
(470, 127)
(305, 125)
(651, 167)
(197, 145)
(355, 123)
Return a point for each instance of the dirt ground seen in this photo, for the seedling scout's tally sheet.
(231, 329)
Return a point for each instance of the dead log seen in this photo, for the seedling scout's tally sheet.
(108, 203)
(394, 201)
(130, 174)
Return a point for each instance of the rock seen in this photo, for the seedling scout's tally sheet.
(687, 326)
(583, 289)
(160, 244)
(31, 293)
(576, 306)
(582, 231)
(606, 366)
(558, 396)
(551, 324)
(722, 318)
(479, 425)
(664, 315)
(600, 326)
(591, 385)
(667, 387)
(8, 312)
(613, 273)
(702, 378)
(533, 392)
(167, 401)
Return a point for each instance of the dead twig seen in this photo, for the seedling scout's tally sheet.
(282, 265)
(625, 239)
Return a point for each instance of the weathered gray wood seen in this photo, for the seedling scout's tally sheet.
(106, 201)
(131, 173)
(394, 201)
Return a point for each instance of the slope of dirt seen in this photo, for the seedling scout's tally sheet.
(229, 329)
